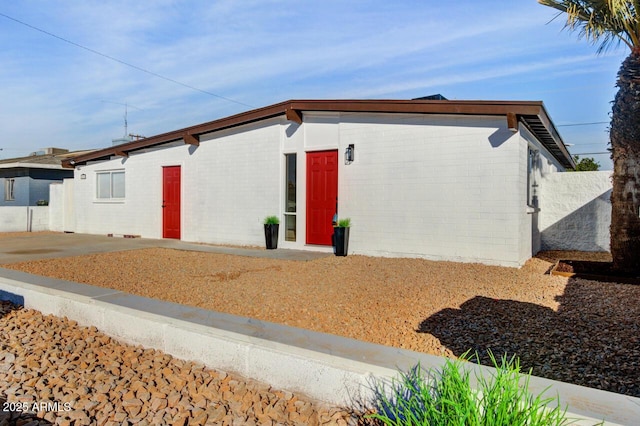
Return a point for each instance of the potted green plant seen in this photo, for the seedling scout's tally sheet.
(271, 227)
(341, 237)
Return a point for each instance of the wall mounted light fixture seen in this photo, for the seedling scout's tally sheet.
(349, 154)
(83, 176)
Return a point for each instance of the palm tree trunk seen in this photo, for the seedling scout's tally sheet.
(625, 152)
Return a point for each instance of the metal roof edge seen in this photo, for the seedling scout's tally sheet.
(566, 159)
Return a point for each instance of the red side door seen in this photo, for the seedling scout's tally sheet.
(322, 195)
(171, 202)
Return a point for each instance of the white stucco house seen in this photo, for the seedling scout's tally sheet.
(436, 179)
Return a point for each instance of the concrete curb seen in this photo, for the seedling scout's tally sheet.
(329, 368)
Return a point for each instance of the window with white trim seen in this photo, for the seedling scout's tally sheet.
(9, 189)
(110, 185)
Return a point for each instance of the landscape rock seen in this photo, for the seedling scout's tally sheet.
(103, 382)
(573, 330)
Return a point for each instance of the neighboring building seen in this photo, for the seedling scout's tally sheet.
(436, 179)
(25, 180)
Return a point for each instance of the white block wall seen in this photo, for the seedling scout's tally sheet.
(230, 183)
(24, 219)
(576, 211)
(56, 207)
(437, 187)
(433, 187)
(440, 187)
(236, 183)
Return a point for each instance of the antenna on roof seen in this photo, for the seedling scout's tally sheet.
(126, 113)
(126, 125)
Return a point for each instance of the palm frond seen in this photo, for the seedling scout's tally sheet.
(606, 22)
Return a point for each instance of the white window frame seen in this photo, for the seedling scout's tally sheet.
(533, 159)
(290, 211)
(113, 191)
(9, 189)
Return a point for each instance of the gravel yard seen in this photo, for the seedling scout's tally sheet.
(579, 331)
(64, 374)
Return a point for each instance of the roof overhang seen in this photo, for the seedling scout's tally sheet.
(23, 165)
(531, 113)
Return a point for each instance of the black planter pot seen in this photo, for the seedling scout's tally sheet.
(271, 236)
(340, 241)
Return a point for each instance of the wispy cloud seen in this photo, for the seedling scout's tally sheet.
(480, 73)
(259, 52)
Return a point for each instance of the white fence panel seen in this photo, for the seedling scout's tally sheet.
(24, 219)
(61, 209)
(575, 211)
(56, 207)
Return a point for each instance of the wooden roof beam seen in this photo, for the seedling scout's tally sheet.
(512, 122)
(121, 154)
(190, 139)
(294, 115)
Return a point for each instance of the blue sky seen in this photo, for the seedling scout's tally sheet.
(247, 54)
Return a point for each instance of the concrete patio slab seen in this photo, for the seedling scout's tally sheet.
(29, 247)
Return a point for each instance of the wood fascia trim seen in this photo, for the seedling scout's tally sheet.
(121, 153)
(420, 107)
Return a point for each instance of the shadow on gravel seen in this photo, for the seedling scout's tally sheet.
(9, 302)
(592, 340)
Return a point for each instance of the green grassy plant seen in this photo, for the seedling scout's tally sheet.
(344, 223)
(447, 398)
(271, 220)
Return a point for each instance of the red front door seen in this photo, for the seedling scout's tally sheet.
(171, 202)
(322, 195)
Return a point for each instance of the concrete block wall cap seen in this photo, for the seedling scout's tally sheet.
(45, 284)
(302, 343)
